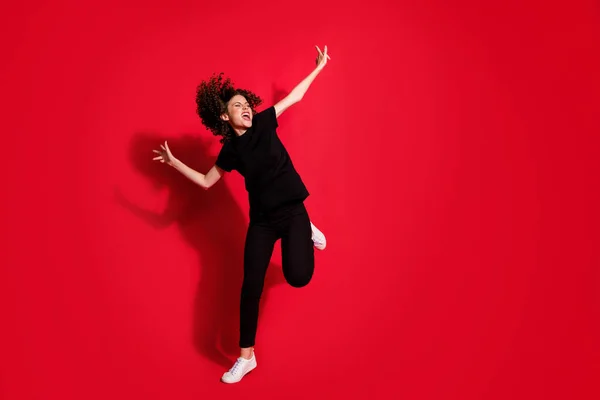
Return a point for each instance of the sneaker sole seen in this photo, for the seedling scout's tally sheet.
(247, 372)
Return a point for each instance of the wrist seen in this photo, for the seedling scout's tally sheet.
(175, 163)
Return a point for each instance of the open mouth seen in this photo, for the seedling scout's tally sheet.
(246, 116)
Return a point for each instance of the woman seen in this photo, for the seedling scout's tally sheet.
(275, 190)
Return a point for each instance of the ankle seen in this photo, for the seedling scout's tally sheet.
(247, 353)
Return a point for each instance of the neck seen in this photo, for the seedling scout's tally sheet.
(239, 131)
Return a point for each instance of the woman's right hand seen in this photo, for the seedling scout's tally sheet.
(164, 155)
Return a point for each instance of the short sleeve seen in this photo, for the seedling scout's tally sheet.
(226, 160)
(267, 119)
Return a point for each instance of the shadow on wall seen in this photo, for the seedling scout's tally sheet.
(215, 226)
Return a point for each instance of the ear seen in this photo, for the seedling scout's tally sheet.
(225, 117)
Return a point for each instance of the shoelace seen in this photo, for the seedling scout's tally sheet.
(235, 366)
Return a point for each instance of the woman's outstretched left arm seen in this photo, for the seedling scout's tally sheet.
(298, 92)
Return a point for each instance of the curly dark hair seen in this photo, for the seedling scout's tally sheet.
(211, 101)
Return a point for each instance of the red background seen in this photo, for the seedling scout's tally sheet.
(451, 150)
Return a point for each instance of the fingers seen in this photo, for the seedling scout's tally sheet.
(322, 55)
(163, 155)
(160, 156)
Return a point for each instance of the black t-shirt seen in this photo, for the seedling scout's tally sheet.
(260, 157)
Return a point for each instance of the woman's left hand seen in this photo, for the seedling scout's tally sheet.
(322, 57)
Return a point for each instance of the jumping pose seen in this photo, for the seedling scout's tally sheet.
(276, 192)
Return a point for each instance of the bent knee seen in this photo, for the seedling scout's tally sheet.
(298, 280)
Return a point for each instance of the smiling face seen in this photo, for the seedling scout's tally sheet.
(239, 113)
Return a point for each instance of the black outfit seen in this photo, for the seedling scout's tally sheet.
(276, 195)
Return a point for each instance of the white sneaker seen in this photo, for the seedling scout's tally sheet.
(241, 367)
(318, 238)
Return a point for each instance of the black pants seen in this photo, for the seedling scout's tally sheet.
(291, 224)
